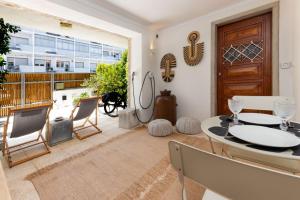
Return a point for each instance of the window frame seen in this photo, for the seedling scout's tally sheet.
(44, 41)
(14, 38)
(80, 66)
(79, 46)
(62, 43)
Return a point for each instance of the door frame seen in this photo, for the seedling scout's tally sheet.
(274, 8)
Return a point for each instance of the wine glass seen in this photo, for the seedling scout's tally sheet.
(285, 109)
(235, 106)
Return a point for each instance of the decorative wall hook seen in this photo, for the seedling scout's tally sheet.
(193, 54)
(167, 63)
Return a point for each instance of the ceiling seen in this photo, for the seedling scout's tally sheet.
(163, 13)
(42, 22)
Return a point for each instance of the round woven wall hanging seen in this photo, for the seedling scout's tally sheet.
(167, 63)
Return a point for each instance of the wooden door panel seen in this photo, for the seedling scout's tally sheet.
(243, 89)
(249, 89)
(250, 32)
(234, 73)
(244, 59)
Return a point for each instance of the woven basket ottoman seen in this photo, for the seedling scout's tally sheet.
(160, 128)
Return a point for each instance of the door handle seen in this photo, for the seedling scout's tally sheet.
(219, 74)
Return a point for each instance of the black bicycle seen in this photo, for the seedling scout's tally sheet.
(113, 102)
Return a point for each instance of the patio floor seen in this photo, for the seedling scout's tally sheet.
(22, 189)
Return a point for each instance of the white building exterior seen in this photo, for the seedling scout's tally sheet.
(35, 51)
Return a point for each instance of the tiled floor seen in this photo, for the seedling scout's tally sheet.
(22, 189)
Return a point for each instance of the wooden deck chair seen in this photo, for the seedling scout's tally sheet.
(86, 107)
(26, 121)
(224, 178)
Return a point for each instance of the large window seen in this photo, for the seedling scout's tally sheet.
(44, 41)
(105, 53)
(79, 64)
(39, 62)
(82, 47)
(93, 67)
(63, 64)
(11, 61)
(108, 50)
(19, 40)
(65, 44)
(95, 51)
(21, 61)
(43, 63)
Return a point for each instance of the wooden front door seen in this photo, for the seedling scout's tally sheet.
(244, 59)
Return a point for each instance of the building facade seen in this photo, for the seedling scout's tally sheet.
(34, 51)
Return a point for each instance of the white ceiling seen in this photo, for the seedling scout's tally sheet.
(162, 13)
(42, 22)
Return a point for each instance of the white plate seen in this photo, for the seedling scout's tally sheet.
(259, 118)
(264, 136)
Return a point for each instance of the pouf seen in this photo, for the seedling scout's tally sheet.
(188, 125)
(160, 128)
(127, 118)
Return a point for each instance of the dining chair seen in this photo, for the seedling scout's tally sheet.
(83, 110)
(225, 178)
(265, 103)
(27, 121)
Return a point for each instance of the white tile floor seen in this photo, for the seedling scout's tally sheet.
(22, 189)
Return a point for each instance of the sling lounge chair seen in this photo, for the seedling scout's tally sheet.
(86, 107)
(226, 179)
(27, 121)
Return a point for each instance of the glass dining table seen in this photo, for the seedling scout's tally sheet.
(287, 159)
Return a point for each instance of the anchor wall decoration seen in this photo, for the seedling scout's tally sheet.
(167, 63)
(193, 54)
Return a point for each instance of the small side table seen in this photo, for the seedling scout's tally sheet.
(59, 131)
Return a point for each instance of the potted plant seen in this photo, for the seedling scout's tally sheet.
(81, 96)
(5, 30)
(110, 77)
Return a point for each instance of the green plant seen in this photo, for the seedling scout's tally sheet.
(81, 96)
(110, 77)
(2, 71)
(5, 30)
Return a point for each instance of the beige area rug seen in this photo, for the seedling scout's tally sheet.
(131, 166)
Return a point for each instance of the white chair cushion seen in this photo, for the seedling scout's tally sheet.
(188, 125)
(160, 127)
(210, 195)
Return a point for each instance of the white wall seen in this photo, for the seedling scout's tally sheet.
(297, 55)
(286, 38)
(192, 85)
